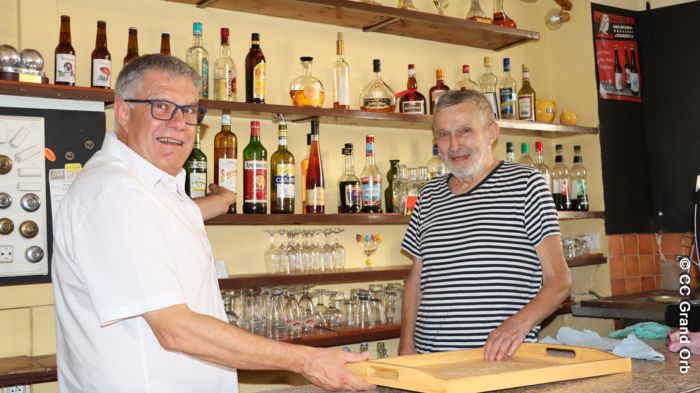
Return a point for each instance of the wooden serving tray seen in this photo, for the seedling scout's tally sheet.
(467, 371)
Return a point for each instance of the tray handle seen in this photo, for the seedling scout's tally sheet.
(383, 373)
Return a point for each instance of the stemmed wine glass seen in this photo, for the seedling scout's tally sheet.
(272, 254)
(440, 5)
(368, 244)
(320, 307)
(338, 255)
(306, 305)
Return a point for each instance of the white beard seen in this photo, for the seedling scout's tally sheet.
(478, 162)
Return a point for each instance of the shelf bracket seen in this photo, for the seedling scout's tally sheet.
(381, 24)
(205, 3)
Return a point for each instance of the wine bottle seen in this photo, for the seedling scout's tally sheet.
(560, 180)
(196, 171)
(254, 173)
(634, 73)
(64, 68)
(198, 58)
(526, 98)
(224, 71)
(315, 184)
(225, 158)
(101, 59)
(488, 82)
(437, 90)
(304, 171)
(165, 43)
(282, 175)
(619, 84)
(132, 48)
(349, 191)
(255, 72)
(341, 77)
(371, 180)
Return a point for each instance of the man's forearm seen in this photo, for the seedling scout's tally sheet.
(409, 309)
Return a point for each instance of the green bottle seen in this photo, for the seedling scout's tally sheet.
(254, 173)
(389, 193)
(196, 171)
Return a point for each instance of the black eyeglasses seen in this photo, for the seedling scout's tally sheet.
(165, 110)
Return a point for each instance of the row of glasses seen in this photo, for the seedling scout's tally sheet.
(304, 251)
(575, 247)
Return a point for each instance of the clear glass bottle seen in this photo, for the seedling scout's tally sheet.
(196, 171)
(389, 192)
(410, 191)
(341, 77)
(578, 195)
(225, 71)
(526, 97)
(488, 82)
(397, 187)
(477, 14)
(499, 15)
(412, 101)
(541, 166)
(439, 89)
(377, 96)
(435, 165)
(525, 158)
(349, 190)
(371, 180)
(510, 152)
(466, 83)
(225, 158)
(198, 58)
(254, 173)
(507, 92)
(306, 90)
(282, 175)
(560, 180)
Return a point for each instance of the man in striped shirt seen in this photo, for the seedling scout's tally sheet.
(487, 260)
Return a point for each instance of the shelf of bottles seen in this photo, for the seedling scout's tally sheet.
(382, 19)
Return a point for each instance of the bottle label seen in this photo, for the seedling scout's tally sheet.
(228, 171)
(343, 92)
(284, 181)
(411, 201)
(65, 68)
(198, 184)
(618, 81)
(197, 165)
(579, 188)
(101, 72)
(491, 96)
(205, 78)
(376, 103)
(526, 107)
(255, 175)
(352, 194)
(417, 107)
(259, 81)
(507, 102)
(371, 191)
(316, 196)
(634, 82)
(560, 186)
(311, 92)
(231, 82)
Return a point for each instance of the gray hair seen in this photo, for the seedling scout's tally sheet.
(456, 97)
(130, 79)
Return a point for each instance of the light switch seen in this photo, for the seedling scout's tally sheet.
(19, 137)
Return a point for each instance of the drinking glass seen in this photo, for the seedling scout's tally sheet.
(338, 255)
(328, 249)
(333, 315)
(440, 5)
(284, 264)
(295, 251)
(368, 244)
(365, 318)
(350, 310)
(377, 310)
(293, 313)
(320, 307)
(230, 299)
(316, 250)
(252, 311)
(271, 253)
(277, 320)
(306, 305)
(390, 305)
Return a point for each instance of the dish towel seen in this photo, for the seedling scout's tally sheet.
(693, 343)
(630, 347)
(643, 330)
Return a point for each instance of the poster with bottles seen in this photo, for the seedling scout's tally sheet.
(617, 57)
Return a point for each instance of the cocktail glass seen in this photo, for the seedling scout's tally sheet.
(368, 244)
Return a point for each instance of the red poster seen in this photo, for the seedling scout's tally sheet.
(617, 57)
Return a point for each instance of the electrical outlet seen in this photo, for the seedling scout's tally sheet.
(16, 389)
(5, 255)
(593, 239)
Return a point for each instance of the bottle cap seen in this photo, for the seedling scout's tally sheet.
(558, 146)
(538, 145)
(524, 149)
(225, 120)
(224, 34)
(509, 147)
(306, 58)
(369, 138)
(165, 33)
(340, 36)
(465, 68)
(348, 146)
(377, 65)
(577, 149)
(255, 123)
(255, 37)
(506, 64)
(439, 73)
(525, 68)
(411, 66)
(196, 28)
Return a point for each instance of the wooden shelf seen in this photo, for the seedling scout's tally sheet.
(23, 370)
(43, 90)
(381, 19)
(345, 336)
(592, 259)
(570, 215)
(380, 273)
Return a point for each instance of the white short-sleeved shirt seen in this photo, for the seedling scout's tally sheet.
(128, 240)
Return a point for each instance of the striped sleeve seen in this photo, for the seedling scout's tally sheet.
(411, 240)
(540, 215)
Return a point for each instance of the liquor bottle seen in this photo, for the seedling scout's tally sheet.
(306, 90)
(349, 191)
(225, 158)
(627, 68)
(525, 158)
(435, 165)
(341, 77)
(254, 173)
(634, 73)
(410, 191)
(304, 171)
(371, 180)
(198, 58)
(64, 68)
(397, 187)
(255, 72)
(165, 43)
(225, 71)
(526, 98)
(578, 195)
(132, 48)
(488, 82)
(466, 83)
(377, 96)
(101, 59)
(508, 92)
(510, 152)
(412, 101)
(282, 176)
(439, 89)
(315, 184)
(619, 84)
(560, 181)
(499, 16)
(196, 171)
(541, 166)
(389, 192)
(476, 14)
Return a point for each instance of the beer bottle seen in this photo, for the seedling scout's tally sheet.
(165, 44)
(132, 50)
(101, 59)
(64, 68)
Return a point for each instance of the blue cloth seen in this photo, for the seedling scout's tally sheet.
(630, 347)
(643, 330)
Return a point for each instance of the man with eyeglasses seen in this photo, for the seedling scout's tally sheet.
(138, 306)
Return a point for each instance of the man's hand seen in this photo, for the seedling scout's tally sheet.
(327, 368)
(216, 202)
(505, 340)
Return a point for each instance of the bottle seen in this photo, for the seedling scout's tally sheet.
(371, 180)
(315, 184)
(499, 16)
(306, 90)
(196, 171)
(541, 166)
(488, 82)
(255, 72)
(578, 195)
(412, 101)
(64, 68)
(397, 186)
(439, 89)
(508, 92)
(435, 165)
(526, 98)
(225, 158)
(101, 59)
(634, 73)
(282, 175)
(254, 173)
(410, 191)
(466, 83)
(225, 71)
(377, 96)
(476, 14)
(525, 158)
(132, 48)
(165, 43)
(619, 84)
(341, 77)
(304, 171)
(560, 181)
(198, 58)
(510, 152)
(389, 192)
(627, 67)
(349, 191)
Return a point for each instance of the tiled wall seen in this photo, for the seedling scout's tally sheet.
(635, 260)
